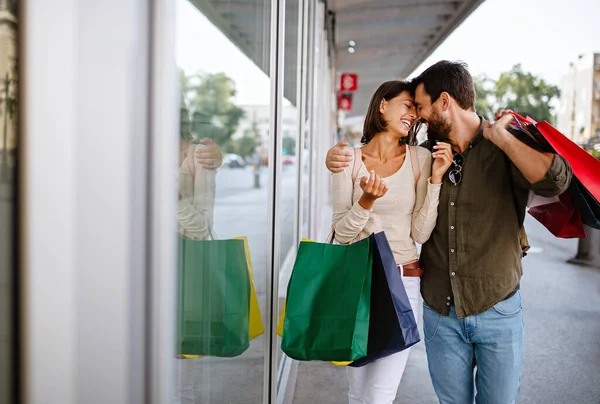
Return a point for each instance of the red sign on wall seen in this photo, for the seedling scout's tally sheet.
(349, 82)
(345, 101)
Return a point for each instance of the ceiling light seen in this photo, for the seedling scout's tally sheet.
(352, 43)
(351, 49)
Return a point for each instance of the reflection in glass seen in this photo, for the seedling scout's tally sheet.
(222, 51)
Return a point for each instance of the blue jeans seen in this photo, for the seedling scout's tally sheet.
(491, 342)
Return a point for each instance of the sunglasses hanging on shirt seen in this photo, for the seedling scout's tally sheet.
(457, 164)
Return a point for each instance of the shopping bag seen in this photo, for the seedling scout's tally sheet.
(255, 324)
(559, 214)
(585, 203)
(281, 320)
(585, 166)
(214, 298)
(560, 218)
(392, 325)
(328, 302)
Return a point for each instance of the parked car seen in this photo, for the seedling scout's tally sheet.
(288, 160)
(234, 161)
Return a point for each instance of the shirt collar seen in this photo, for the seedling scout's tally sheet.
(479, 134)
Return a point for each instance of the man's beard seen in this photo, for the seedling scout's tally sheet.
(438, 127)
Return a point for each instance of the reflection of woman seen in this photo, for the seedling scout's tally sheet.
(385, 199)
(197, 164)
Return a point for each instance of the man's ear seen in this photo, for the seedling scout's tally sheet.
(445, 100)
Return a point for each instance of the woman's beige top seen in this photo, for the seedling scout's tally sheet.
(405, 215)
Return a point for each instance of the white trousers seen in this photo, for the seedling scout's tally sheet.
(377, 382)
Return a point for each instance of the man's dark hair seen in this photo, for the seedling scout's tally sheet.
(451, 77)
(374, 122)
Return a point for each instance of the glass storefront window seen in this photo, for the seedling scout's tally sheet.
(222, 52)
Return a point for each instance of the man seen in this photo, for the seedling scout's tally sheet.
(472, 304)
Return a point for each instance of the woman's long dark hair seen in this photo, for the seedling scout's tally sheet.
(374, 122)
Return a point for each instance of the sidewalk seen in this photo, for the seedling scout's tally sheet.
(561, 306)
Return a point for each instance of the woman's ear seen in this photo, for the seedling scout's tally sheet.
(382, 105)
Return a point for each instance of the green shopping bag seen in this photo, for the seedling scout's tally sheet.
(328, 302)
(214, 298)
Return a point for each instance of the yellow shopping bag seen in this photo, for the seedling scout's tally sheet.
(255, 324)
(282, 318)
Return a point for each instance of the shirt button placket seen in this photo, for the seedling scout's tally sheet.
(452, 240)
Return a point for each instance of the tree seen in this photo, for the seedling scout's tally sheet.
(213, 113)
(289, 145)
(520, 91)
(247, 144)
(484, 96)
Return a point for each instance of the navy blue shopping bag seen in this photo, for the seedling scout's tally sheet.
(392, 326)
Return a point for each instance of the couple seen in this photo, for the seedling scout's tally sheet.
(469, 271)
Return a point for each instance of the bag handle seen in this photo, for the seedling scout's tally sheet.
(415, 163)
(355, 166)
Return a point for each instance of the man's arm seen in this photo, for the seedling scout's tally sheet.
(548, 173)
(338, 157)
(533, 164)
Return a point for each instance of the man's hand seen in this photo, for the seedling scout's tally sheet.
(338, 158)
(208, 154)
(502, 112)
(498, 130)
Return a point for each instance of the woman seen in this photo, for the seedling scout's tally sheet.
(383, 196)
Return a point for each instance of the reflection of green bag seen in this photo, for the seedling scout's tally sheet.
(214, 298)
(328, 302)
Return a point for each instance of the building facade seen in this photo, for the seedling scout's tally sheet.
(579, 112)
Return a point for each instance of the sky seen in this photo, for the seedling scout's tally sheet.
(200, 46)
(543, 35)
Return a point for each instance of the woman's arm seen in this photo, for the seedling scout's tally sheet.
(426, 201)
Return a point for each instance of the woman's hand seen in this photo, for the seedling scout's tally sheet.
(373, 188)
(208, 154)
(442, 161)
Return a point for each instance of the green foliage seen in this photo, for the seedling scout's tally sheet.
(247, 144)
(289, 145)
(520, 91)
(208, 97)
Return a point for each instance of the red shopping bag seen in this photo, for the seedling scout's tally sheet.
(560, 218)
(585, 167)
(558, 215)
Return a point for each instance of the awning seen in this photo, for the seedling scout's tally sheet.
(393, 37)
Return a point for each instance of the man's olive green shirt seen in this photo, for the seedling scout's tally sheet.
(473, 257)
